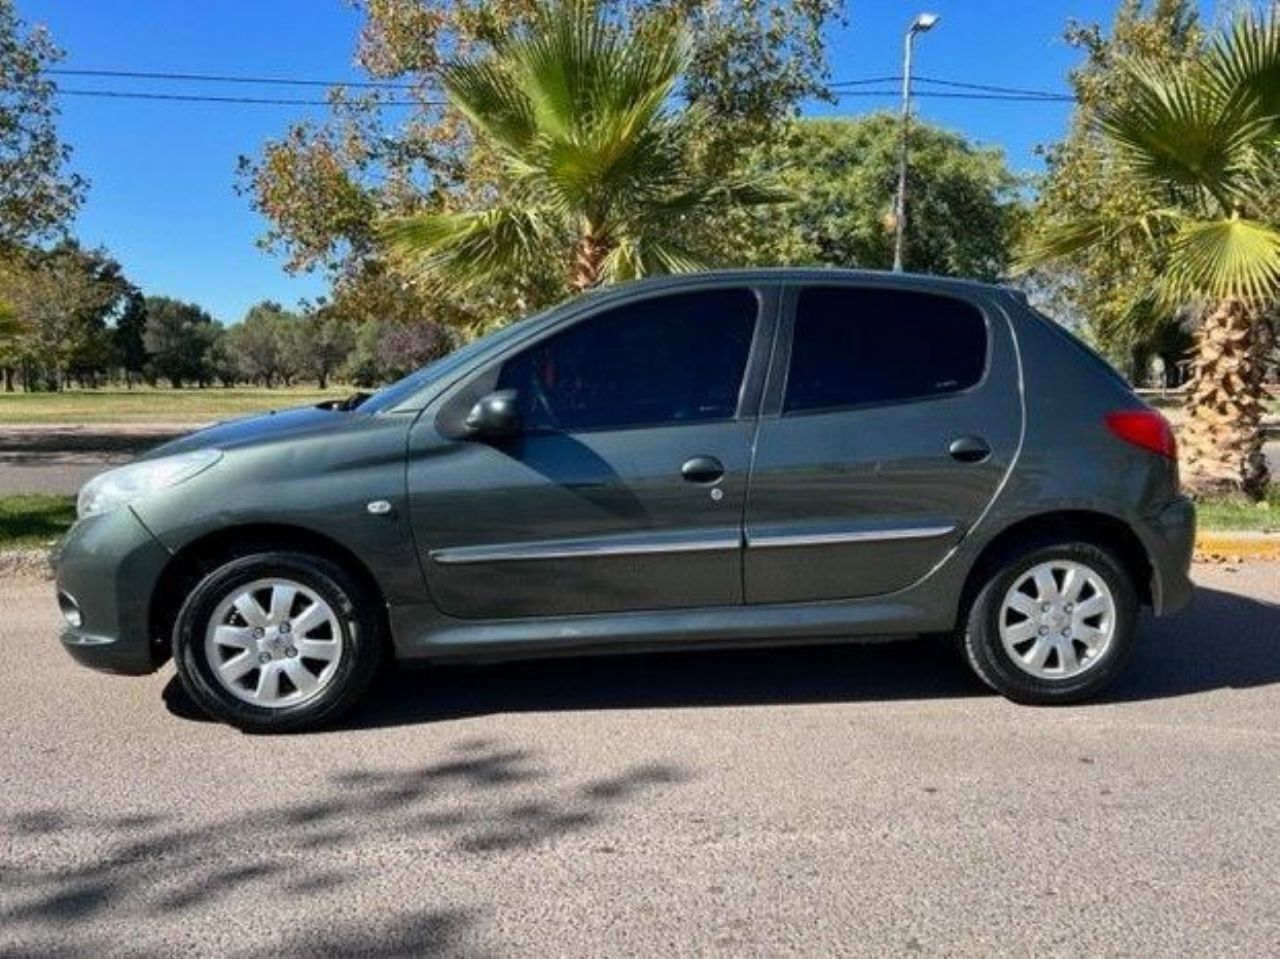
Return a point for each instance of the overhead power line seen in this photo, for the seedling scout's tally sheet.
(202, 98)
(838, 85)
(957, 89)
(298, 102)
(944, 95)
(229, 78)
(391, 85)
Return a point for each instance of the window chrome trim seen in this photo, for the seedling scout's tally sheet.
(600, 547)
(772, 540)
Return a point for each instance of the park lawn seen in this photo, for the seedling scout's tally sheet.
(146, 405)
(33, 521)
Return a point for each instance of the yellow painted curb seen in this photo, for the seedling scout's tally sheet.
(1224, 544)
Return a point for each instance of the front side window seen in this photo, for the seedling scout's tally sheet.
(667, 360)
(857, 346)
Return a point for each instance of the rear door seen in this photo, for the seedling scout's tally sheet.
(892, 417)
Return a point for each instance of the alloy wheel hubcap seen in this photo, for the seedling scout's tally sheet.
(274, 643)
(1057, 620)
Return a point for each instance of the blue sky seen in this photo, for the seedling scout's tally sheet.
(162, 198)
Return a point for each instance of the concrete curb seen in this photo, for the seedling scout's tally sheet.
(1236, 545)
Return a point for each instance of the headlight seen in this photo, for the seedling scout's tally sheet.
(126, 484)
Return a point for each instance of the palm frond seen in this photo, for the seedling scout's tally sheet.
(1066, 238)
(1245, 61)
(1176, 127)
(493, 101)
(464, 251)
(1223, 259)
(633, 257)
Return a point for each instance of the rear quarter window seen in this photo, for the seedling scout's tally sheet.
(855, 346)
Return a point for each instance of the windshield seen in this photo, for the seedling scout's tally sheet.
(402, 390)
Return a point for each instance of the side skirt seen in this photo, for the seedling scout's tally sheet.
(423, 633)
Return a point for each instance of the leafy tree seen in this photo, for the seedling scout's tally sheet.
(260, 343)
(129, 345)
(65, 299)
(842, 175)
(1198, 148)
(1107, 293)
(11, 331)
(405, 347)
(364, 365)
(221, 361)
(595, 170)
(180, 338)
(324, 344)
(37, 195)
(321, 187)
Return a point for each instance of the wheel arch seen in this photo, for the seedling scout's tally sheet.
(197, 559)
(1076, 525)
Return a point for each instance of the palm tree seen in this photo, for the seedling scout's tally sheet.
(593, 160)
(1200, 145)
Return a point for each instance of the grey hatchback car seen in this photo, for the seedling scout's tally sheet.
(724, 459)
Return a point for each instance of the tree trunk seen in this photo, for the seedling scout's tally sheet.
(8, 379)
(588, 260)
(1221, 440)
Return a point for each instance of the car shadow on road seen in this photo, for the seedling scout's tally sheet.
(68, 867)
(1223, 640)
(801, 674)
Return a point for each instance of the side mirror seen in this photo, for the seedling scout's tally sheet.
(497, 414)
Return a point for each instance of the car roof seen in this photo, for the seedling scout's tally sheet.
(881, 278)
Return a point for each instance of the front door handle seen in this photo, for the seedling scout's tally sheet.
(969, 449)
(702, 469)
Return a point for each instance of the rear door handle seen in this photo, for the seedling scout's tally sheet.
(702, 469)
(969, 449)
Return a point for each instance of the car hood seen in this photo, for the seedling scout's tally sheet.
(270, 427)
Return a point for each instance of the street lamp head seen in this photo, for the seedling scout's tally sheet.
(926, 21)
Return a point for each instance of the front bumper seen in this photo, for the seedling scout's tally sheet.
(106, 568)
(1170, 539)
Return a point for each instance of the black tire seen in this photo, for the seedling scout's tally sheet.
(985, 652)
(358, 622)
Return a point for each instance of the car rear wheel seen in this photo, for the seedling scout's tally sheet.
(1053, 623)
(277, 642)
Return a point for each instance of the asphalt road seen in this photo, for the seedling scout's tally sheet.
(29, 466)
(866, 800)
(61, 459)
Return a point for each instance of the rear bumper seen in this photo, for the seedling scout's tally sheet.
(1170, 537)
(106, 570)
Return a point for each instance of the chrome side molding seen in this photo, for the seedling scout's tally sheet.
(776, 540)
(600, 547)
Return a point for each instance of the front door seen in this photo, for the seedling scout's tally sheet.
(624, 489)
(893, 416)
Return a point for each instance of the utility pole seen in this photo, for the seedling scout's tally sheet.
(920, 24)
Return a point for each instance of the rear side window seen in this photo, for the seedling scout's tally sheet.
(855, 346)
(662, 361)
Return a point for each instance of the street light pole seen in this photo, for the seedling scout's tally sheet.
(922, 23)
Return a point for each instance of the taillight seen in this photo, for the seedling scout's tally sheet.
(1144, 428)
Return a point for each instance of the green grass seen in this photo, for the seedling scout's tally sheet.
(145, 405)
(34, 521)
(1241, 515)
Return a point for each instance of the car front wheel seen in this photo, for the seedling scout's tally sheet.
(277, 642)
(1052, 624)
